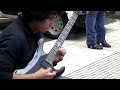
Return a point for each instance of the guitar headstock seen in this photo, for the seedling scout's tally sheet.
(80, 12)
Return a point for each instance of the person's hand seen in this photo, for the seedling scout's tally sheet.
(40, 74)
(60, 54)
(44, 74)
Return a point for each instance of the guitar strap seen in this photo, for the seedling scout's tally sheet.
(39, 52)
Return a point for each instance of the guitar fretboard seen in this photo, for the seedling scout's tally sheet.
(52, 54)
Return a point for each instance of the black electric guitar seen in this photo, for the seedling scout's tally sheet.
(46, 61)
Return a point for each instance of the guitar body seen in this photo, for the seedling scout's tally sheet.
(37, 66)
(43, 64)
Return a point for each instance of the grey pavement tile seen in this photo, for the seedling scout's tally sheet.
(114, 34)
(48, 45)
(114, 46)
(81, 43)
(70, 42)
(68, 69)
(115, 75)
(111, 38)
(117, 41)
(74, 49)
(100, 69)
(113, 25)
(69, 55)
(74, 41)
(98, 53)
(80, 60)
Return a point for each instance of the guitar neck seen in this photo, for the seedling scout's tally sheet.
(52, 54)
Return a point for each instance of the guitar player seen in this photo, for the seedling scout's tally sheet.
(19, 44)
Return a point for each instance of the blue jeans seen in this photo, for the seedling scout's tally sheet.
(95, 30)
(63, 77)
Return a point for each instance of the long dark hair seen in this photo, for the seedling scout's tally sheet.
(38, 15)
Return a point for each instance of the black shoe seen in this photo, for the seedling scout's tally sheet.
(95, 46)
(105, 44)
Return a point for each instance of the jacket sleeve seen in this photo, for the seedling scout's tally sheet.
(9, 51)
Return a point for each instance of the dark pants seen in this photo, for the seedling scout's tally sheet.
(95, 30)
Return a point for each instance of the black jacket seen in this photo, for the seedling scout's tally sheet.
(17, 47)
